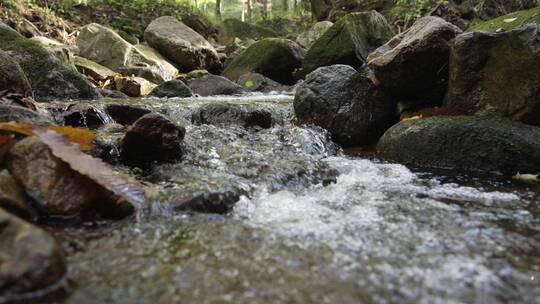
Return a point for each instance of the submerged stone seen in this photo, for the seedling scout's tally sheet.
(172, 88)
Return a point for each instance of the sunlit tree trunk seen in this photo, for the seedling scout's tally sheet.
(218, 9)
(285, 4)
(248, 11)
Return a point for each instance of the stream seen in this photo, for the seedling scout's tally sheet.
(313, 223)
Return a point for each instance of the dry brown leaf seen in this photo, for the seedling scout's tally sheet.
(82, 137)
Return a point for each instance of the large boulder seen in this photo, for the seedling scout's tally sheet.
(210, 85)
(234, 28)
(12, 77)
(307, 38)
(104, 46)
(30, 258)
(349, 41)
(152, 138)
(497, 74)
(180, 44)
(464, 143)
(275, 58)
(170, 89)
(414, 65)
(49, 78)
(508, 22)
(345, 102)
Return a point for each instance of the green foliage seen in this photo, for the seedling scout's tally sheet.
(405, 12)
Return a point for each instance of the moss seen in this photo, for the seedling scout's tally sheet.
(506, 22)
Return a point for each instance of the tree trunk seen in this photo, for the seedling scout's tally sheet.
(264, 9)
(248, 15)
(218, 9)
(285, 5)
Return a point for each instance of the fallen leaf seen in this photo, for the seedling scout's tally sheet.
(82, 137)
(412, 118)
(510, 20)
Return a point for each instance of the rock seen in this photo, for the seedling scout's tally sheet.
(275, 58)
(31, 258)
(197, 74)
(341, 8)
(229, 114)
(256, 82)
(320, 9)
(149, 73)
(489, 9)
(464, 143)
(152, 138)
(73, 50)
(134, 86)
(172, 88)
(201, 24)
(82, 115)
(103, 46)
(128, 37)
(10, 113)
(234, 28)
(49, 78)
(180, 44)
(92, 69)
(220, 202)
(349, 41)
(346, 103)
(414, 65)
(12, 196)
(307, 38)
(508, 22)
(211, 85)
(57, 189)
(12, 77)
(113, 94)
(497, 74)
(125, 114)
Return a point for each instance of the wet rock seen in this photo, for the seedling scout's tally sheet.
(12, 196)
(256, 82)
(228, 114)
(172, 88)
(12, 77)
(10, 113)
(57, 189)
(152, 138)
(349, 41)
(30, 258)
(211, 85)
(92, 69)
(220, 202)
(105, 47)
(180, 44)
(113, 94)
(464, 143)
(134, 86)
(275, 58)
(497, 74)
(508, 22)
(307, 38)
(49, 78)
(414, 65)
(125, 114)
(346, 103)
(234, 28)
(197, 74)
(83, 116)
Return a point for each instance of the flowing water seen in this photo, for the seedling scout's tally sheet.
(313, 224)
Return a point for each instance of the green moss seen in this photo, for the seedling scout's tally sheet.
(509, 22)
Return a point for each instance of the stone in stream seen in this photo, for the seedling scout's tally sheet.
(134, 86)
(275, 58)
(211, 85)
(220, 202)
(82, 115)
(346, 103)
(57, 189)
(255, 82)
(307, 38)
(230, 114)
(152, 137)
(180, 44)
(105, 47)
(12, 113)
(170, 89)
(349, 41)
(30, 258)
(464, 143)
(49, 78)
(92, 69)
(125, 114)
(497, 74)
(413, 65)
(12, 196)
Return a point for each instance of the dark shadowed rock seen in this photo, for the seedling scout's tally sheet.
(414, 65)
(349, 41)
(211, 85)
(229, 114)
(497, 74)
(152, 138)
(12, 77)
(464, 143)
(83, 116)
(220, 202)
(172, 88)
(307, 38)
(125, 114)
(256, 82)
(12, 196)
(10, 113)
(30, 258)
(346, 103)
(234, 28)
(275, 58)
(113, 94)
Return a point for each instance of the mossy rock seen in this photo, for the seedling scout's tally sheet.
(464, 143)
(508, 22)
(12, 77)
(49, 78)
(274, 58)
(349, 41)
(236, 28)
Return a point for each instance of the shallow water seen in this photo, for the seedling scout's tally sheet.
(313, 225)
